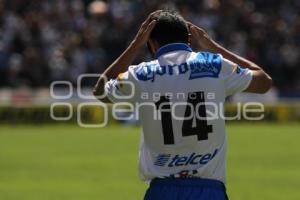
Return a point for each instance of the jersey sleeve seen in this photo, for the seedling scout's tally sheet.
(236, 78)
(124, 88)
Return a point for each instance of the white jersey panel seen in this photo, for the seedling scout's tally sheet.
(180, 100)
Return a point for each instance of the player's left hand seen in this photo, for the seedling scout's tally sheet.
(147, 26)
(201, 37)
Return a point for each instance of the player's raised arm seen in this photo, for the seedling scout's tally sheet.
(122, 63)
(261, 82)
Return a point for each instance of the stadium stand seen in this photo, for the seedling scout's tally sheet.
(42, 41)
(52, 40)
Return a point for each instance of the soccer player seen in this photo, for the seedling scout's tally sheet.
(183, 150)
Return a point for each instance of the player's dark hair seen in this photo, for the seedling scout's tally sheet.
(170, 28)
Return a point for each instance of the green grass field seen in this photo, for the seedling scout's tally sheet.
(63, 162)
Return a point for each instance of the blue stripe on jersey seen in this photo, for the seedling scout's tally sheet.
(172, 47)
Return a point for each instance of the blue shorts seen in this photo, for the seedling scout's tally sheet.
(186, 189)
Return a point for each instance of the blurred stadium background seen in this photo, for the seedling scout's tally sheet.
(54, 40)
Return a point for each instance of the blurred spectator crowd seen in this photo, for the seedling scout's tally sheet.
(43, 41)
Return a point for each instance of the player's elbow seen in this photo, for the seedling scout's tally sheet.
(266, 84)
(261, 82)
(98, 92)
(100, 95)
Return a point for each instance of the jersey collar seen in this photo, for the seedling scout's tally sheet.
(172, 47)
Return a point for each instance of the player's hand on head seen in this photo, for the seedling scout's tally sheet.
(147, 26)
(201, 38)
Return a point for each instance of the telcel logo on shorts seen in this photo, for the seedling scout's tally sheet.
(179, 160)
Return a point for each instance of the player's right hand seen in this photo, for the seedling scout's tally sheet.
(147, 26)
